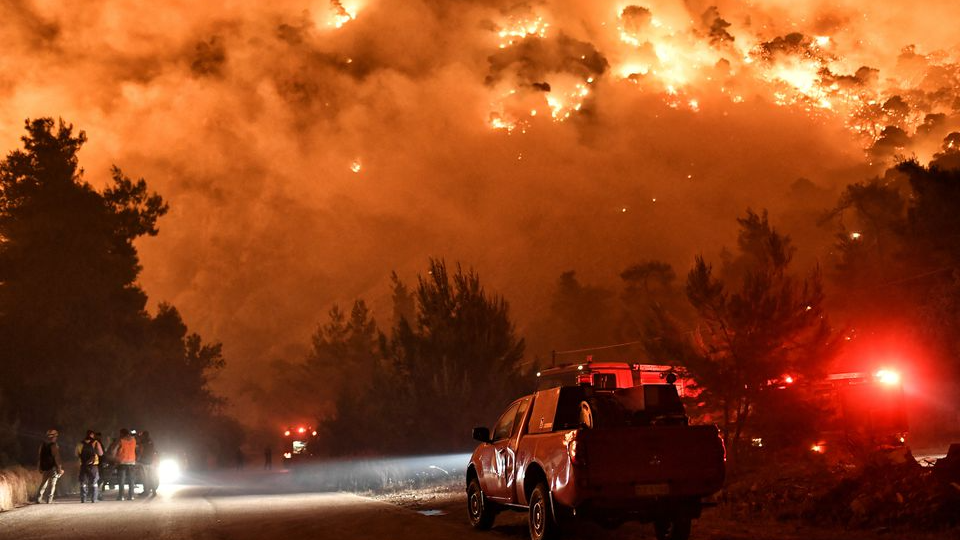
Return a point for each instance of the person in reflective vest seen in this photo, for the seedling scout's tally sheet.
(126, 463)
(89, 451)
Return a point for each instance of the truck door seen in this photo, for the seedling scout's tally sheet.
(505, 437)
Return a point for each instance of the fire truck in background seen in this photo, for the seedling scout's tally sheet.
(865, 412)
(299, 445)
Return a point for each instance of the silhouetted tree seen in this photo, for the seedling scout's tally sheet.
(647, 287)
(79, 347)
(582, 315)
(345, 353)
(450, 368)
(461, 358)
(748, 336)
(404, 305)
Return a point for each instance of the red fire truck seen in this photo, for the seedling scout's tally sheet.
(299, 444)
(865, 412)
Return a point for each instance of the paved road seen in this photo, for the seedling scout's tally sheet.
(267, 507)
(223, 511)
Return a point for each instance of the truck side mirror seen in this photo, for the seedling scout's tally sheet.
(481, 434)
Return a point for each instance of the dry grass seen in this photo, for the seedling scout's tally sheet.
(17, 485)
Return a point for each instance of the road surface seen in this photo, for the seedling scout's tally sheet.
(225, 509)
(267, 507)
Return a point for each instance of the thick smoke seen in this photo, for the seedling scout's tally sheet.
(308, 148)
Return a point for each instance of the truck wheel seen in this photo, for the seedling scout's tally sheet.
(479, 510)
(543, 525)
(672, 529)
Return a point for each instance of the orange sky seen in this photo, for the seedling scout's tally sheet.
(309, 148)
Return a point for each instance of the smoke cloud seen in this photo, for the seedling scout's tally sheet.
(307, 148)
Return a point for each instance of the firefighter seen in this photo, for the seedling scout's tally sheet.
(50, 465)
(126, 463)
(147, 456)
(107, 462)
(90, 452)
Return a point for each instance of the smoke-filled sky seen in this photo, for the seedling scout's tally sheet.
(309, 147)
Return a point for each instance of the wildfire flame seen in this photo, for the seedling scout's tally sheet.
(341, 14)
(517, 29)
(686, 61)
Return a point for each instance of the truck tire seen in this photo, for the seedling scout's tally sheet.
(543, 524)
(672, 529)
(480, 511)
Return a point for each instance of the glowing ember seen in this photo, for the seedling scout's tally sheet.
(499, 122)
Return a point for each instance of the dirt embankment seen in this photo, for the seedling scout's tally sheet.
(881, 496)
(17, 486)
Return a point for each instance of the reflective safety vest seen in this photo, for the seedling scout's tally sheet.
(127, 451)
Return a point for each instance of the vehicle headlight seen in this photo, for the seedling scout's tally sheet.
(168, 471)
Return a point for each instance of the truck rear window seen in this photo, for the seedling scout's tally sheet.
(605, 381)
(561, 408)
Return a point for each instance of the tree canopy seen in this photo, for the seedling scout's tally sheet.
(755, 326)
(80, 349)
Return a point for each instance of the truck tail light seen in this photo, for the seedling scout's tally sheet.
(577, 452)
(584, 378)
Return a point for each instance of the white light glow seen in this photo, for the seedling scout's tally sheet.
(887, 376)
(168, 471)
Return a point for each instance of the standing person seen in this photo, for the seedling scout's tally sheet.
(267, 458)
(50, 465)
(126, 462)
(90, 451)
(147, 453)
(101, 466)
(107, 464)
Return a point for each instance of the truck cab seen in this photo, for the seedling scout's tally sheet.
(606, 454)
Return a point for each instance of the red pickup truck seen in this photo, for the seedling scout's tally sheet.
(607, 455)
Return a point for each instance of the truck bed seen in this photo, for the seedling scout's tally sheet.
(677, 461)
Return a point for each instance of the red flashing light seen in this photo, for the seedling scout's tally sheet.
(286, 433)
(788, 379)
(301, 430)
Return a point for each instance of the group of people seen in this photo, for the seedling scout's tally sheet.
(122, 458)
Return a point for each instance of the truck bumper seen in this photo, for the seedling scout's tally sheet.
(640, 509)
(643, 503)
